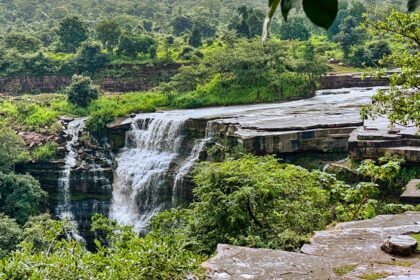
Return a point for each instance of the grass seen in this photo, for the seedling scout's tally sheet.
(343, 270)
(417, 237)
(396, 263)
(374, 276)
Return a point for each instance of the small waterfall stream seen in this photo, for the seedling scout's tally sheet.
(63, 209)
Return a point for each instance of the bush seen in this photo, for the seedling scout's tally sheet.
(45, 152)
(10, 235)
(21, 196)
(81, 92)
(90, 57)
(12, 149)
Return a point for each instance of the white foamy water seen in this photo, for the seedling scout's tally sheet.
(63, 209)
(141, 178)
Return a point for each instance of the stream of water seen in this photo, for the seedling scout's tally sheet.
(63, 209)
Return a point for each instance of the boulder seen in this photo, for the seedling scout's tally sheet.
(400, 245)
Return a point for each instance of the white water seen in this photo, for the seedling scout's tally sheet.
(141, 178)
(63, 209)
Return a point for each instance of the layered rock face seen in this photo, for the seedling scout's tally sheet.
(349, 251)
(141, 78)
(337, 81)
(375, 139)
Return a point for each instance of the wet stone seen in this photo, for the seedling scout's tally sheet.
(400, 245)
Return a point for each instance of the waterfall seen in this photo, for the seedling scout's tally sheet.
(142, 184)
(73, 130)
(187, 165)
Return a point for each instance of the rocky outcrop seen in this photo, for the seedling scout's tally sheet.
(349, 251)
(337, 81)
(412, 192)
(375, 139)
(400, 245)
(141, 78)
(46, 84)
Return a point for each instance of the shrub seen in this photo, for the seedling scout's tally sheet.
(21, 196)
(81, 92)
(12, 149)
(45, 152)
(10, 235)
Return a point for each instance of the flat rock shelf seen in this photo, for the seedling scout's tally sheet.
(348, 251)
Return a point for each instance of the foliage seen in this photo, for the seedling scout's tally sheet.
(401, 103)
(12, 149)
(90, 58)
(21, 196)
(45, 152)
(253, 202)
(248, 23)
(131, 45)
(72, 32)
(350, 34)
(10, 235)
(22, 42)
(81, 92)
(295, 29)
(109, 33)
(322, 13)
(50, 251)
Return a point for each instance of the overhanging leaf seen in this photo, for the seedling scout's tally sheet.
(321, 12)
(413, 4)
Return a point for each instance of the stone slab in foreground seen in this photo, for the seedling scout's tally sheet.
(353, 249)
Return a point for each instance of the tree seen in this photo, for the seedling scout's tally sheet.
(401, 103)
(12, 149)
(90, 57)
(21, 196)
(131, 45)
(248, 22)
(311, 65)
(195, 38)
(322, 12)
(109, 33)
(295, 29)
(72, 32)
(22, 42)
(350, 34)
(10, 235)
(181, 24)
(81, 92)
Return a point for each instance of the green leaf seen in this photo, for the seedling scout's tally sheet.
(413, 4)
(321, 12)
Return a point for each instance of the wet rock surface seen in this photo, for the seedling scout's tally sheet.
(354, 248)
(400, 245)
(376, 138)
(412, 192)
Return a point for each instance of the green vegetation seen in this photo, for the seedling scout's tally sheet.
(343, 270)
(81, 92)
(402, 102)
(374, 276)
(45, 152)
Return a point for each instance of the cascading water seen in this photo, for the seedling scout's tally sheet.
(142, 184)
(187, 165)
(63, 209)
